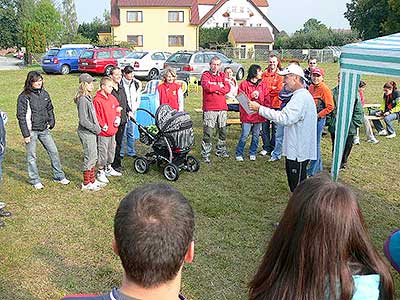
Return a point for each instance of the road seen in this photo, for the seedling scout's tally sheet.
(10, 63)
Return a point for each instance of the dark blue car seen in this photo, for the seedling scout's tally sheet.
(61, 60)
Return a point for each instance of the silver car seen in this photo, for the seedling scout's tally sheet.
(193, 64)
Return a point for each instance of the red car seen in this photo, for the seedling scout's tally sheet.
(101, 60)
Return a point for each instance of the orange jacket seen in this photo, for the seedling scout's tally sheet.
(274, 85)
(322, 92)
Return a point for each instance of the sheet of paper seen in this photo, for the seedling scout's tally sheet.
(244, 102)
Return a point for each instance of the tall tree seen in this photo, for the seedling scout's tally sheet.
(392, 24)
(70, 20)
(9, 23)
(49, 19)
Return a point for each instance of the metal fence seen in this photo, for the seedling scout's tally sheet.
(322, 55)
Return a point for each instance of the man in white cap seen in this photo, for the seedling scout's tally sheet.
(299, 117)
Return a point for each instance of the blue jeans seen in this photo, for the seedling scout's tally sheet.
(255, 131)
(48, 143)
(277, 153)
(316, 165)
(1, 168)
(267, 136)
(128, 140)
(389, 123)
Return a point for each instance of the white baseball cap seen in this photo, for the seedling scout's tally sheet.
(292, 69)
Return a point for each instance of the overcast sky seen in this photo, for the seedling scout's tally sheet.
(288, 15)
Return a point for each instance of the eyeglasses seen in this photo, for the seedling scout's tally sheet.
(312, 63)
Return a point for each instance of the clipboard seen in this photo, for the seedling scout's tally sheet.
(244, 102)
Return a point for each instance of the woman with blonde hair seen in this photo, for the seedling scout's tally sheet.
(169, 92)
(321, 250)
(88, 129)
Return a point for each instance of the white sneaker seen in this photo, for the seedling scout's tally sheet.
(273, 158)
(101, 176)
(99, 184)
(373, 141)
(111, 172)
(356, 141)
(2, 205)
(239, 158)
(63, 181)
(263, 152)
(90, 187)
(253, 157)
(390, 136)
(382, 132)
(38, 186)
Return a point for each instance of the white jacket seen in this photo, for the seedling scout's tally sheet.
(132, 95)
(299, 117)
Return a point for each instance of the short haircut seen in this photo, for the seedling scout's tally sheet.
(227, 68)
(169, 71)
(153, 229)
(128, 69)
(104, 80)
(113, 69)
(312, 58)
(214, 58)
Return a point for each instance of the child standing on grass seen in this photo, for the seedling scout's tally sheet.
(36, 118)
(234, 89)
(88, 130)
(108, 114)
(256, 90)
(3, 121)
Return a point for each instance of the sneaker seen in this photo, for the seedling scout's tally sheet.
(274, 158)
(390, 136)
(99, 184)
(206, 159)
(356, 141)
(2, 205)
(263, 152)
(90, 187)
(63, 181)
(382, 132)
(111, 172)
(373, 141)
(101, 176)
(239, 158)
(38, 186)
(252, 157)
(222, 154)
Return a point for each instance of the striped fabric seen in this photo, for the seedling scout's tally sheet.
(380, 56)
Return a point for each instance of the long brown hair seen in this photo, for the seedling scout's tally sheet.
(320, 241)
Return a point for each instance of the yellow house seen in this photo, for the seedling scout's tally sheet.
(165, 25)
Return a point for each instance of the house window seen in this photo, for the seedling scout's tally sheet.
(135, 40)
(175, 16)
(134, 16)
(225, 25)
(259, 25)
(176, 41)
(217, 24)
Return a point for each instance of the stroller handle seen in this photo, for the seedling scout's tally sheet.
(145, 110)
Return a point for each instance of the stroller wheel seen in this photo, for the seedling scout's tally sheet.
(141, 165)
(192, 164)
(171, 172)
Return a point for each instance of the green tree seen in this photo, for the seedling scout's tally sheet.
(70, 20)
(392, 23)
(34, 38)
(49, 19)
(91, 30)
(9, 23)
(216, 35)
(313, 25)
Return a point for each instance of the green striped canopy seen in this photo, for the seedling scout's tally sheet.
(380, 56)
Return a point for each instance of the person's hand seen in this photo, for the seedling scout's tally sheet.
(119, 109)
(253, 105)
(27, 140)
(386, 113)
(378, 113)
(255, 94)
(221, 84)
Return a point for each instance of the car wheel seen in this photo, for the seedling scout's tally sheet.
(65, 69)
(107, 71)
(240, 74)
(171, 172)
(153, 74)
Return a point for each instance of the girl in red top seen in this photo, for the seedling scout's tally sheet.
(256, 90)
(169, 92)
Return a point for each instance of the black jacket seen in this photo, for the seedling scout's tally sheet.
(123, 102)
(35, 112)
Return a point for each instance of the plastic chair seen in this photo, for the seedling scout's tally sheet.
(193, 84)
(151, 86)
(183, 84)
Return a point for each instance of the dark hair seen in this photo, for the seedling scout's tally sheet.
(294, 61)
(252, 72)
(390, 85)
(113, 69)
(128, 69)
(361, 84)
(311, 58)
(153, 229)
(321, 241)
(227, 68)
(32, 76)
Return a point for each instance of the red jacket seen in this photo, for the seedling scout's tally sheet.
(248, 88)
(215, 87)
(169, 94)
(106, 113)
(274, 83)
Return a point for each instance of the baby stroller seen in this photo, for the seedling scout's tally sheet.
(171, 140)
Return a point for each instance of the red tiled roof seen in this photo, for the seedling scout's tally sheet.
(260, 3)
(116, 4)
(251, 35)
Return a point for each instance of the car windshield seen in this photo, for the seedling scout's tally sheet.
(53, 52)
(136, 55)
(180, 58)
(87, 54)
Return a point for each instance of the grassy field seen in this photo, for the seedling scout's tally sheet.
(59, 239)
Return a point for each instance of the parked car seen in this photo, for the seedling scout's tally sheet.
(193, 64)
(101, 60)
(63, 60)
(147, 64)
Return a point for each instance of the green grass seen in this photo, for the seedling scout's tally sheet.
(59, 239)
